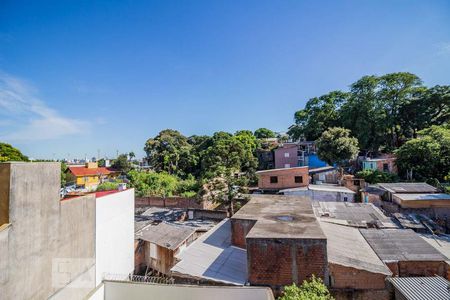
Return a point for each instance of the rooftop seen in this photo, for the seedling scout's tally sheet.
(439, 242)
(346, 246)
(330, 188)
(280, 216)
(400, 245)
(281, 169)
(166, 235)
(213, 257)
(83, 171)
(418, 197)
(422, 288)
(321, 169)
(352, 214)
(408, 187)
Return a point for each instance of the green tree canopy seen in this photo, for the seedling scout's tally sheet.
(170, 152)
(336, 146)
(312, 289)
(121, 163)
(9, 153)
(264, 133)
(319, 114)
(427, 156)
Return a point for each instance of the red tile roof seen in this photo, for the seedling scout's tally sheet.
(83, 171)
(105, 193)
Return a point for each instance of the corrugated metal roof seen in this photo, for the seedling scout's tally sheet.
(422, 288)
(437, 196)
(400, 245)
(166, 235)
(408, 187)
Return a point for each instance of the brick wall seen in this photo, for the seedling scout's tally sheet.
(349, 278)
(239, 230)
(285, 177)
(175, 202)
(361, 294)
(422, 268)
(280, 262)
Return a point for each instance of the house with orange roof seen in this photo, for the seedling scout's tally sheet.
(91, 175)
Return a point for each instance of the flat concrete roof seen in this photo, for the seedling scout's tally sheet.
(279, 216)
(352, 214)
(346, 246)
(418, 197)
(281, 169)
(330, 188)
(439, 242)
(400, 245)
(408, 187)
(213, 257)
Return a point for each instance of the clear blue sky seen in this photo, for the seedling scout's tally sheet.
(77, 76)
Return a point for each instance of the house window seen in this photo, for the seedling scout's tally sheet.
(86, 179)
(345, 198)
(287, 166)
(273, 179)
(298, 179)
(286, 154)
(385, 167)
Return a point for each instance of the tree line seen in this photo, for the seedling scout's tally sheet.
(382, 112)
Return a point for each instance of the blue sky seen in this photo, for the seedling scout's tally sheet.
(81, 76)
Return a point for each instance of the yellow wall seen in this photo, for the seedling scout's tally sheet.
(91, 180)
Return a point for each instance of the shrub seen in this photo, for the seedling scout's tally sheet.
(312, 289)
(108, 186)
(376, 176)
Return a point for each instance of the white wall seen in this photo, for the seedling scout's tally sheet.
(115, 234)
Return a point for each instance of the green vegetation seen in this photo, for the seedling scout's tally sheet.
(108, 186)
(312, 289)
(161, 184)
(382, 112)
(376, 176)
(264, 133)
(427, 156)
(335, 146)
(9, 153)
(121, 163)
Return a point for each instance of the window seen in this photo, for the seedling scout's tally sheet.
(273, 179)
(86, 179)
(385, 168)
(298, 179)
(287, 166)
(286, 154)
(345, 198)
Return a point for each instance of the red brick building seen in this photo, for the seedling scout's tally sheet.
(278, 179)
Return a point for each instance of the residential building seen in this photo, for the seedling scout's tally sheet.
(277, 179)
(286, 156)
(297, 154)
(382, 164)
(326, 174)
(90, 175)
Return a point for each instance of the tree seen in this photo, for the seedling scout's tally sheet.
(318, 115)
(9, 153)
(364, 115)
(225, 188)
(264, 133)
(101, 162)
(427, 156)
(312, 289)
(121, 163)
(170, 151)
(131, 155)
(336, 146)
(376, 176)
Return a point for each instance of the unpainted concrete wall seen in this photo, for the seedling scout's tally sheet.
(43, 229)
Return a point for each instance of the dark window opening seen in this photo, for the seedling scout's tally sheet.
(273, 179)
(385, 168)
(298, 179)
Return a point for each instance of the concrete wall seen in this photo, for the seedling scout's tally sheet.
(174, 202)
(279, 262)
(286, 178)
(281, 160)
(46, 237)
(115, 234)
(239, 230)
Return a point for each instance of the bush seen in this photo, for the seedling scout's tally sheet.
(162, 184)
(108, 186)
(312, 289)
(376, 176)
